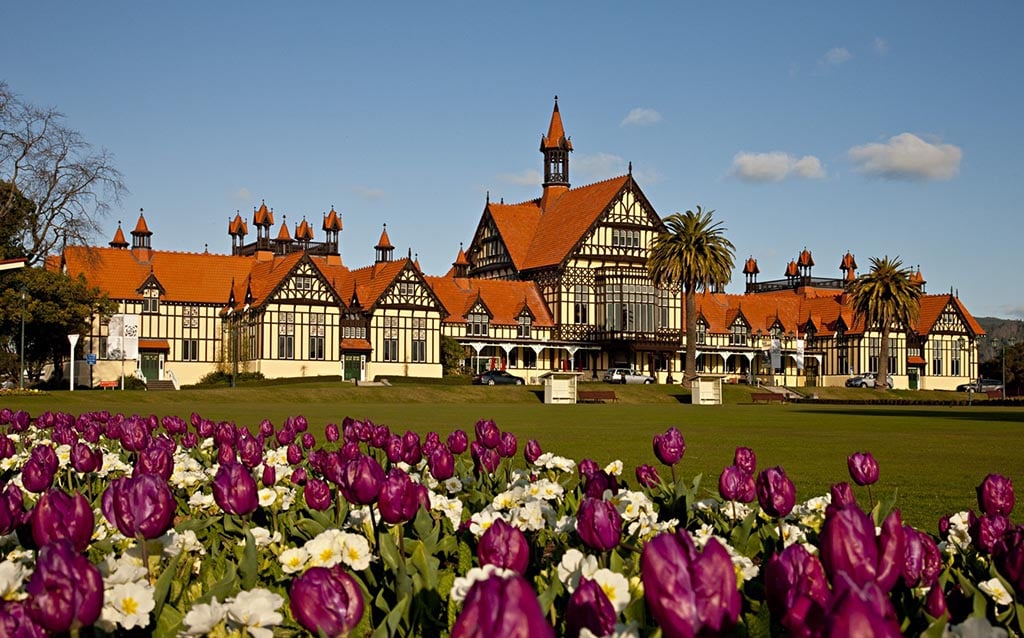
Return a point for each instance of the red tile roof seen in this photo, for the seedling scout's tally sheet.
(263, 216)
(750, 267)
(154, 344)
(237, 226)
(141, 228)
(504, 299)
(384, 242)
(556, 133)
(304, 231)
(118, 241)
(360, 345)
(283, 234)
(332, 221)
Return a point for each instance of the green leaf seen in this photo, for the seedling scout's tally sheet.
(937, 629)
(163, 584)
(223, 588)
(389, 552)
(168, 623)
(425, 565)
(249, 567)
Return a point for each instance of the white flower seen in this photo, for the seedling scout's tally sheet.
(326, 549)
(792, 534)
(176, 543)
(255, 610)
(614, 468)
(974, 627)
(482, 520)
(508, 499)
(995, 590)
(201, 619)
(545, 489)
(202, 502)
(355, 551)
(462, 584)
(632, 630)
(12, 575)
(450, 507)
(631, 505)
(702, 535)
(549, 461)
(262, 537)
(128, 604)
(615, 586)
(453, 485)
(531, 516)
(285, 494)
(293, 560)
(267, 496)
(63, 455)
(573, 565)
(125, 569)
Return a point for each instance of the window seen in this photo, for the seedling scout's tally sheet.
(664, 301)
(936, 358)
(738, 335)
(700, 363)
(317, 332)
(303, 282)
(842, 362)
(190, 317)
(513, 358)
(150, 301)
(874, 347)
(529, 358)
(286, 336)
(419, 340)
(629, 307)
(102, 345)
(581, 305)
(190, 349)
(892, 356)
(406, 288)
(391, 339)
(477, 326)
(525, 322)
(954, 360)
(622, 238)
(701, 337)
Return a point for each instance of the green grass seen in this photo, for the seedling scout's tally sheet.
(933, 455)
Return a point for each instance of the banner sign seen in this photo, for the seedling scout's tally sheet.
(799, 354)
(123, 337)
(776, 353)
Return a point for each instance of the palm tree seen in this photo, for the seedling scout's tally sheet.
(885, 297)
(693, 253)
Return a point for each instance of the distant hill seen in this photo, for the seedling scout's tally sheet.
(1001, 329)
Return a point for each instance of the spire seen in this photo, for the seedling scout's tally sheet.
(556, 148)
(141, 235)
(384, 248)
(118, 241)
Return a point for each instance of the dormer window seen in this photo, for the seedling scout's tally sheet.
(739, 333)
(775, 332)
(702, 332)
(476, 324)
(525, 324)
(151, 301)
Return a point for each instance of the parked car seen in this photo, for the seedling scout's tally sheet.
(986, 385)
(867, 380)
(497, 377)
(626, 375)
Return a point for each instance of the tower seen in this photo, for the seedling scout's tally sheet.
(556, 148)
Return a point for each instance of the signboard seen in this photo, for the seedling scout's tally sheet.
(776, 354)
(799, 354)
(123, 337)
(91, 358)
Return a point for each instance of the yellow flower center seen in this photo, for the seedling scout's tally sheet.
(130, 606)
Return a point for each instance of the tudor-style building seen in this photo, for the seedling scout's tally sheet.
(558, 282)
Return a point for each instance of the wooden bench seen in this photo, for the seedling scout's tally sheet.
(767, 397)
(595, 396)
(994, 394)
(109, 385)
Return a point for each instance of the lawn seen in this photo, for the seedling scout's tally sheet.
(933, 455)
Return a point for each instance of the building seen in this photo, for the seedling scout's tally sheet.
(555, 283)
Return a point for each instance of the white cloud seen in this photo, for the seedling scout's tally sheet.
(641, 117)
(836, 56)
(880, 46)
(242, 194)
(596, 166)
(775, 167)
(529, 177)
(369, 194)
(1015, 311)
(907, 156)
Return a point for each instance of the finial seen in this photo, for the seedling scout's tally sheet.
(488, 197)
(631, 168)
(206, 248)
(502, 199)
(409, 255)
(140, 211)
(556, 100)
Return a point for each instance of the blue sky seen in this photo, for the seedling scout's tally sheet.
(882, 128)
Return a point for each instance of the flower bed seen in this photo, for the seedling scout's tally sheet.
(147, 526)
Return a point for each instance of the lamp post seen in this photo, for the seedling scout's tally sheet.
(21, 368)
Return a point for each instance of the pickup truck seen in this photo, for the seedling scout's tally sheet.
(626, 375)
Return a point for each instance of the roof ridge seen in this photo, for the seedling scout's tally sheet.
(574, 189)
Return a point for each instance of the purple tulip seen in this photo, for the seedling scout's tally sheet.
(589, 608)
(294, 454)
(331, 432)
(775, 492)
(235, 490)
(532, 451)
(441, 463)
(226, 455)
(508, 445)
(269, 476)
(317, 494)
(598, 524)
(36, 477)
(797, 591)
(647, 476)
(84, 459)
(1008, 556)
(714, 587)
(12, 513)
(298, 477)
(412, 451)
(377, 435)
(394, 447)
(668, 588)
(935, 602)
(65, 590)
(852, 617)
(504, 546)
(400, 498)
(485, 460)
(135, 435)
(331, 465)
(285, 436)
(933, 563)
(863, 468)
(326, 601)
(995, 495)
(361, 480)
(842, 495)
(308, 440)
(250, 450)
(15, 621)
(155, 460)
(891, 551)
(189, 440)
(597, 483)
(745, 459)
(987, 530)
(847, 545)
(913, 557)
(587, 468)
(735, 483)
(487, 433)
(430, 443)
(59, 516)
(502, 607)
(670, 446)
(140, 505)
(458, 442)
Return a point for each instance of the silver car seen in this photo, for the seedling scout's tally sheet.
(866, 380)
(626, 375)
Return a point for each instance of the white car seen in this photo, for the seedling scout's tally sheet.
(626, 375)
(866, 380)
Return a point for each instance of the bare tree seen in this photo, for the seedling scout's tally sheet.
(70, 184)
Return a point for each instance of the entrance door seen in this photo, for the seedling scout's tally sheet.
(150, 364)
(912, 377)
(353, 367)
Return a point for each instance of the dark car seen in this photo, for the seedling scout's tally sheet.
(497, 377)
(987, 385)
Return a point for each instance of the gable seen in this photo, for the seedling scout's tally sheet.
(409, 290)
(303, 283)
(623, 232)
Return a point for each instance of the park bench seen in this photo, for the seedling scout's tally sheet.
(767, 397)
(109, 385)
(596, 396)
(994, 394)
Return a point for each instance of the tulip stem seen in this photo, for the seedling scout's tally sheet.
(871, 499)
(144, 547)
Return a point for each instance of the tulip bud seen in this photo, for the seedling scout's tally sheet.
(361, 480)
(155, 460)
(394, 448)
(842, 495)
(189, 440)
(140, 505)
(589, 608)
(441, 463)
(400, 499)
(250, 450)
(458, 441)
(891, 551)
(504, 546)
(326, 601)
(508, 445)
(935, 602)
(647, 476)
(670, 446)
(797, 590)
(294, 454)
(913, 557)
(995, 495)
(317, 494)
(598, 524)
(65, 590)
(745, 459)
(714, 586)
(732, 483)
(269, 476)
(847, 545)
(84, 459)
(35, 476)
(775, 492)
(235, 490)
(863, 468)
(587, 468)
(532, 451)
(59, 516)
(668, 589)
(488, 434)
(331, 432)
(412, 452)
(501, 607)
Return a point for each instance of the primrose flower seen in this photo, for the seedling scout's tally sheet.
(479, 522)
(996, 591)
(266, 496)
(201, 619)
(256, 610)
(12, 576)
(574, 565)
(325, 550)
(462, 584)
(293, 560)
(355, 551)
(127, 605)
(615, 587)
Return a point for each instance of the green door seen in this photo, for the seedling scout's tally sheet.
(912, 378)
(150, 364)
(353, 367)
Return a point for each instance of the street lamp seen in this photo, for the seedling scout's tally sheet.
(21, 369)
